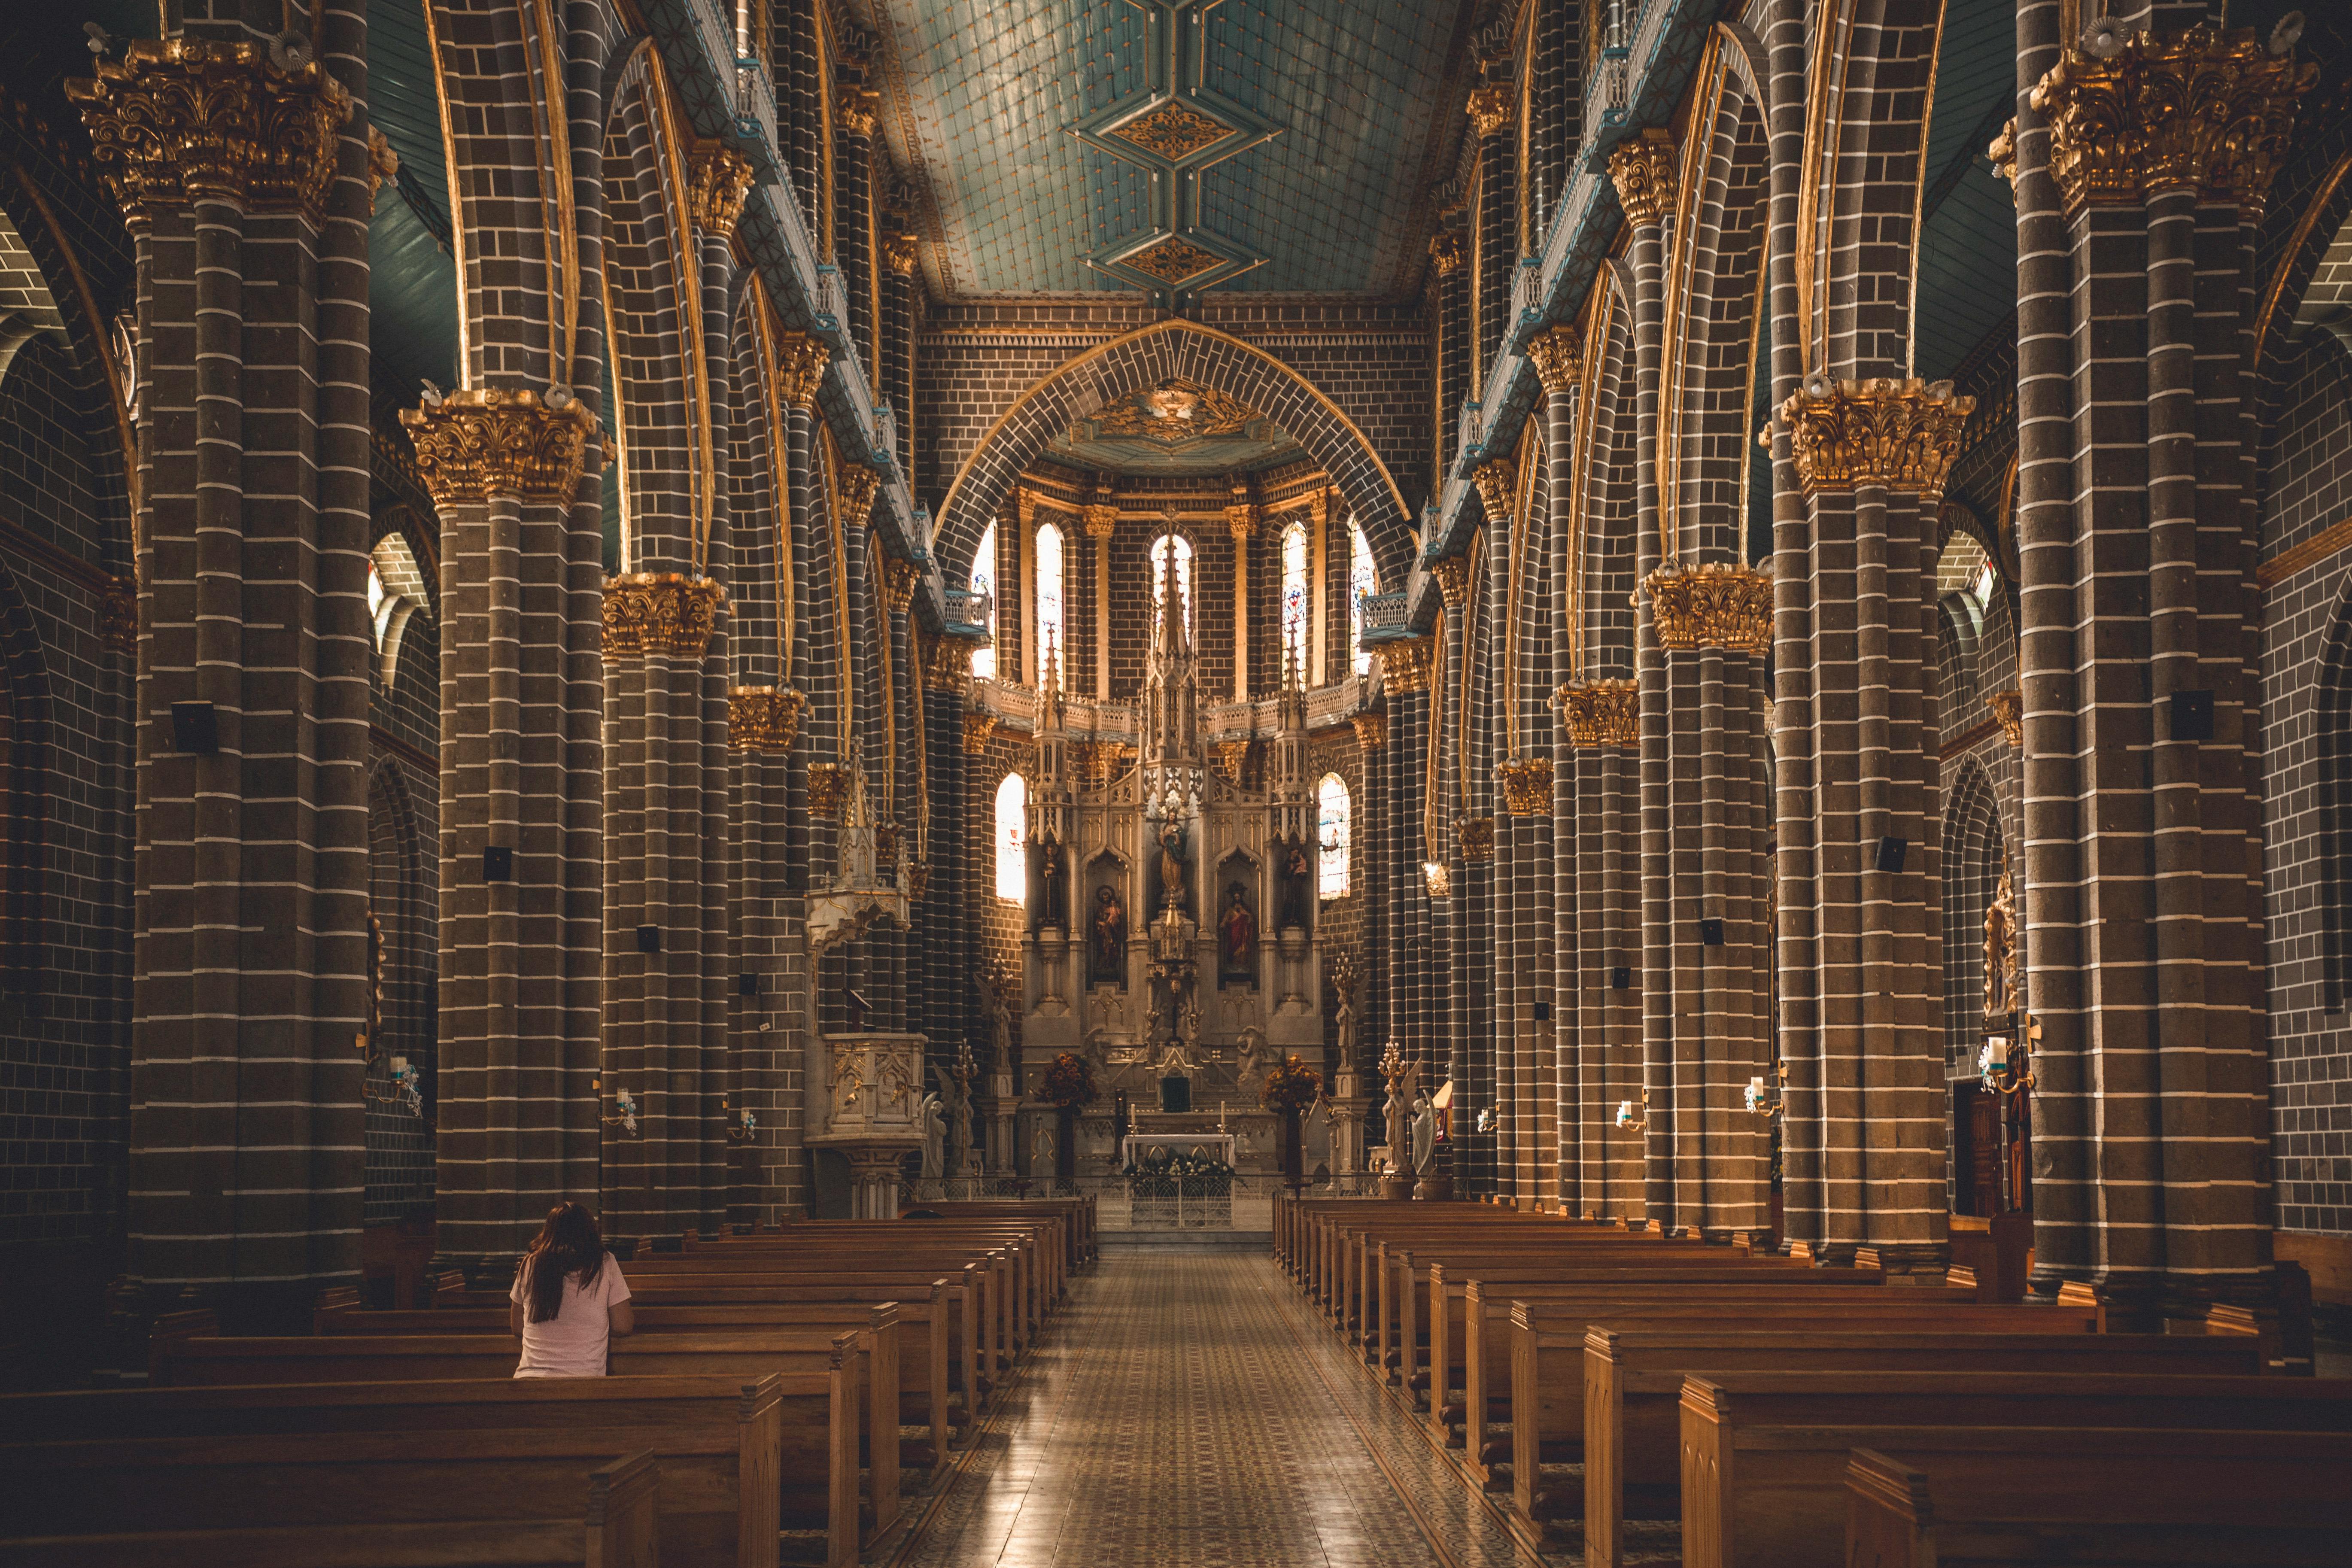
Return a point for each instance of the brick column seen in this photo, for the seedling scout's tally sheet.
(800, 106)
(1450, 975)
(896, 385)
(1449, 253)
(250, 905)
(1404, 679)
(853, 217)
(1559, 363)
(1491, 112)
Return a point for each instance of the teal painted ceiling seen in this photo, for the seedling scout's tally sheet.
(413, 279)
(981, 96)
(1968, 245)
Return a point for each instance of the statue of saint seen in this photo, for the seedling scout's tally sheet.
(935, 1134)
(1296, 880)
(1172, 866)
(955, 1097)
(1424, 1131)
(1251, 1057)
(1402, 1088)
(1343, 1050)
(2000, 951)
(1053, 872)
(999, 999)
(1238, 933)
(1110, 943)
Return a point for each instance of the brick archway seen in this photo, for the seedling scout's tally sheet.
(1142, 359)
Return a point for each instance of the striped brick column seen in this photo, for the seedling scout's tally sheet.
(854, 108)
(1456, 842)
(250, 902)
(1601, 720)
(800, 104)
(1404, 679)
(1492, 114)
(2153, 673)
(896, 385)
(1559, 363)
(1449, 253)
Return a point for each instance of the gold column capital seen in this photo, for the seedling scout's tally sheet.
(1527, 785)
(1024, 506)
(857, 490)
(1101, 519)
(828, 788)
(1558, 357)
(1901, 435)
(764, 718)
(1448, 249)
(856, 109)
(1476, 835)
(1493, 479)
(179, 119)
(898, 580)
(665, 613)
(1372, 729)
(977, 728)
(1453, 575)
(492, 440)
(800, 367)
(2204, 110)
(1599, 714)
(2009, 711)
(1644, 170)
(1405, 663)
(899, 250)
(717, 181)
(1490, 107)
(947, 663)
(1718, 605)
(1241, 521)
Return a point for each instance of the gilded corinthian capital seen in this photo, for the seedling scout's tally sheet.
(857, 490)
(1557, 358)
(1447, 249)
(764, 718)
(1490, 107)
(1494, 479)
(718, 181)
(662, 613)
(1643, 172)
(1404, 663)
(857, 108)
(183, 120)
(1715, 605)
(899, 251)
(1527, 785)
(1901, 434)
(2202, 111)
(1599, 714)
(491, 440)
(1453, 575)
(800, 367)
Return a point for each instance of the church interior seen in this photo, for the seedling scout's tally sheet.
(1164, 749)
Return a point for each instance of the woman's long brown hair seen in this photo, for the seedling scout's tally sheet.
(569, 1243)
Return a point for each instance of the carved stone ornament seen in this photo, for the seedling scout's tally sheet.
(183, 119)
(1448, 248)
(1901, 435)
(1372, 729)
(1453, 575)
(764, 718)
(947, 663)
(383, 165)
(1101, 521)
(800, 367)
(2009, 711)
(898, 580)
(977, 729)
(1601, 715)
(1494, 481)
(1490, 107)
(1404, 664)
(1527, 785)
(918, 880)
(118, 617)
(2202, 111)
(1231, 761)
(1173, 130)
(1558, 357)
(717, 181)
(1477, 837)
(1713, 605)
(1644, 170)
(492, 440)
(662, 613)
(1097, 762)
(858, 484)
(857, 109)
(828, 788)
(1241, 521)
(898, 252)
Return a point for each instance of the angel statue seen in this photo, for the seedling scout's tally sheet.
(935, 1132)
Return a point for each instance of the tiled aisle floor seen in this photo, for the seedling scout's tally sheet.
(1186, 1412)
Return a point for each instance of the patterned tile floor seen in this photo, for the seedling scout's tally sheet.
(1188, 1412)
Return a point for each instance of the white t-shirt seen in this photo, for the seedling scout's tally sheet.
(572, 1343)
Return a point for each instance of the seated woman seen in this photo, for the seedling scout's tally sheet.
(569, 1300)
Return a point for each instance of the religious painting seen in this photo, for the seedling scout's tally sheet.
(1237, 929)
(1106, 918)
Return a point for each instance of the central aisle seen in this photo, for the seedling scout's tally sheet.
(1183, 1410)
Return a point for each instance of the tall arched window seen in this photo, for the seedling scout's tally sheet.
(1363, 581)
(982, 586)
(1184, 549)
(1332, 811)
(1294, 597)
(1012, 858)
(1049, 598)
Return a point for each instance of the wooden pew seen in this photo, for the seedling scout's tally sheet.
(198, 1360)
(1764, 1455)
(1003, 1324)
(357, 1500)
(739, 1461)
(1085, 1234)
(2041, 1498)
(1629, 1396)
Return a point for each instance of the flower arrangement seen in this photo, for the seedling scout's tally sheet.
(1292, 1087)
(1070, 1082)
(1161, 1173)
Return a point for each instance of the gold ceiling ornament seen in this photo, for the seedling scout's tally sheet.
(2009, 711)
(1527, 785)
(179, 119)
(1453, 575)
(1372, 729)
(665, 613)
(977, 728)
(764, 718)
(1901, 435)
(1101, 520)
(856, 492)
(1644, 170)
(383, 165)
(1496, 479)
(899, 581)
(1717, 604)
(1490, 107)
(491, 440)
(1448, 248)
(1176, 410)
(118, 615)
(800, 367)
(856, 109)
(1601, 715)
(899, 248)
(2204, 110)
(1232, 759)
(1476, 836)
(717, 182)
(1174, 131)
(1174, 260)
(828, 788)
(1558, 358)
(1404, 663)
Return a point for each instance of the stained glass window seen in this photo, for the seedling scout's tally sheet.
(1332, 809)
(1011, 862)
(1294, 597)
(1363, 581)
(1049, 600)
(982, 585)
